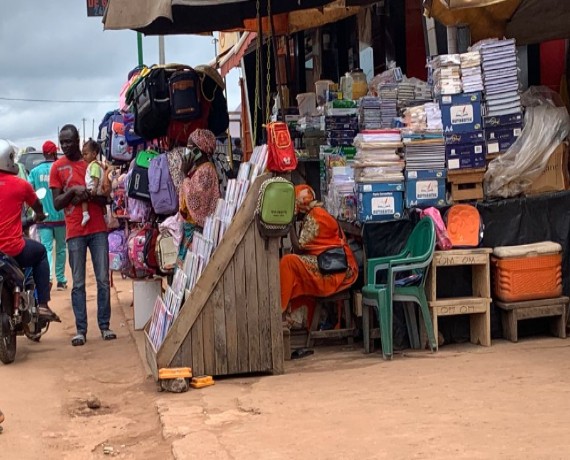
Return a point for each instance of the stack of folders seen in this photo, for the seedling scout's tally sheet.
(377, 158)
(471, 77)
(500, 76)
(446, 74)
(388, 93)
(424, 151)
(370, 112)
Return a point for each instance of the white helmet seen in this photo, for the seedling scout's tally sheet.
(8, 157)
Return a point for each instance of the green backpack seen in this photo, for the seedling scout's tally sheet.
(275, 211)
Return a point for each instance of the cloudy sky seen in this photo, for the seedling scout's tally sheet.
(53, 51)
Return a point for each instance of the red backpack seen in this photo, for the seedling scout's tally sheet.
(281, 152)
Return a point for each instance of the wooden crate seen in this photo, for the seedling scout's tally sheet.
(478, 306)
(466, 184)
(231, 321)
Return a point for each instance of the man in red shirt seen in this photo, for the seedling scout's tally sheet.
(67, 182)
(14, 192)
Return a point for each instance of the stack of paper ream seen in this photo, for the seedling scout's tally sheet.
(447, 74)
(471, 77)
(377, 158)
(500, 76)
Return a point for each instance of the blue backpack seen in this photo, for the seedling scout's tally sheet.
(163, 194)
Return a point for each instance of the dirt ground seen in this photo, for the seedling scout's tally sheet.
(43, 393)
(509, 401)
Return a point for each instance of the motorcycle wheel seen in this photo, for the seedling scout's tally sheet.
(7, 335)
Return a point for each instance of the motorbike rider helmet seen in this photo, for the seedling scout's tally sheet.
(8, 158)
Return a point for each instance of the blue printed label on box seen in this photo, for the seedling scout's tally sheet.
(464, 138)
(461, 113)
(426, 188)
(465, 156)
(500, 140)
(503, 120)
(376, 205)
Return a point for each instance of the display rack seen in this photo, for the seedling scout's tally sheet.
(230, 322)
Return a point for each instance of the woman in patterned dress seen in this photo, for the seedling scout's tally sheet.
(301, 279)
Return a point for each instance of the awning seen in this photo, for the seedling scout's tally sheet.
(167, 17)
(528, 21)
(232, 57)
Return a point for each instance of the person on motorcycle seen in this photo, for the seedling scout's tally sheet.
(14, 193)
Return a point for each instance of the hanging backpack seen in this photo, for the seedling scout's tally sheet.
(150, 247)
(150, 99)
(136, 250)
(281, 152)
(184, 87)
(212, 89)
(175, 163)
(138, 176)
(464, 226)
(119, 197)
(166, 253)
(178, 130)
(118, 251)
(275, 211)
(105, 130)
(163, 194)
(132, 138)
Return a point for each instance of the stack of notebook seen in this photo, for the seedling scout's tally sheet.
(446, 74)
(424, 151)
(500, 76)
(370, 112)
(471, 77)
(377, 158)
(388, 93)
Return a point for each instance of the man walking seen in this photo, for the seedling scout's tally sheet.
(53, 228)
(67, 181)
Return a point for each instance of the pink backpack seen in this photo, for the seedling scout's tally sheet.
(137, 255)
(442, 238)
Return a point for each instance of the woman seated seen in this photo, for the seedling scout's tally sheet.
(301, 279)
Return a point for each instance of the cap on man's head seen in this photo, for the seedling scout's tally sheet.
(49, 147)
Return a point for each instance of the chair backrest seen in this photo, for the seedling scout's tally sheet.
(421, 242)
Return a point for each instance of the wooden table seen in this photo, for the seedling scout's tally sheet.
(478, 306)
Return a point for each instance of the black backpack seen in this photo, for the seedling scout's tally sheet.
(184, 88)
(150, 99)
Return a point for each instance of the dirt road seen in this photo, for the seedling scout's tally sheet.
(509, 401)
(43, 393)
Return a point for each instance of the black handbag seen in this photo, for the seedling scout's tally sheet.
(332, 261)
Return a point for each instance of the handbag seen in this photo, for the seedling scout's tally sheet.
(333, 260)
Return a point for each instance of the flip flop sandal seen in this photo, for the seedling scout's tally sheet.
(48, 314)
(79, 340)
(108, 334)
(301, 353)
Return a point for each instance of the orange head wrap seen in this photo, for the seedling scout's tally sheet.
(304, 198)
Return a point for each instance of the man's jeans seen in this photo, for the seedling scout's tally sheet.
(99, 249)
(34, 256)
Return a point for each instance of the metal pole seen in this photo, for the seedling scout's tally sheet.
(140, 48)
(161, 54)
(261, 81)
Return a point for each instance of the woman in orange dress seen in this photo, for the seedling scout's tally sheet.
(301, 279)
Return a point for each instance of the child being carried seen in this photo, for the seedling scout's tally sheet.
(93, 176)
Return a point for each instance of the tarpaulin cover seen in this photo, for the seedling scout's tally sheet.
(507, 223)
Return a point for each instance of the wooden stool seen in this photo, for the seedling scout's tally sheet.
(466, 184)
(341, 299)
(512, 312)
(478, 306)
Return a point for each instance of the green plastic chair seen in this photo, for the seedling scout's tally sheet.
(416, 258)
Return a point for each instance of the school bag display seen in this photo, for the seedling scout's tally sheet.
(119, 150)
(105, 129)
(163, 194)
(118, 251)
(275, 209)
(280, 150)
(184, 88)
(119, 197)
(464, 226)
(138, 176)
(212, 88)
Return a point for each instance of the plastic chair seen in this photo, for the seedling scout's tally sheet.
(415, 258)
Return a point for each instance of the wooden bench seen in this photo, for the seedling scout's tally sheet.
(512, 312)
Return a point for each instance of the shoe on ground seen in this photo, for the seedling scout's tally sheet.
(61, 286)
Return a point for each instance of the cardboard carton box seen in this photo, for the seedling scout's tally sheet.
(555, 176)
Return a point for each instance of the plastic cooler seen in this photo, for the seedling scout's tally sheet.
(527, 272)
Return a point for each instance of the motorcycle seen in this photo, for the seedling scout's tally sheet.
(19, 313)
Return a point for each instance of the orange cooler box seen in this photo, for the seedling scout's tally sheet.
(527, 272)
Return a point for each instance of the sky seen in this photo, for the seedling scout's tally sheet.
(53, 51)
